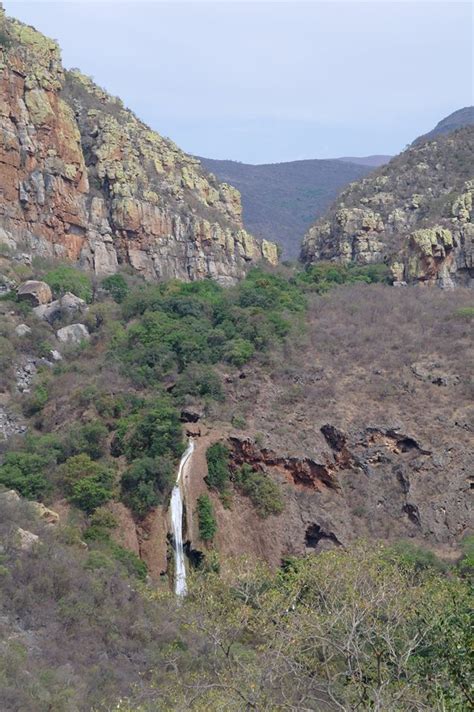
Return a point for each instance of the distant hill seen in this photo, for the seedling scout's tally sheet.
(372, 161)
(280, 200)
(457, 120)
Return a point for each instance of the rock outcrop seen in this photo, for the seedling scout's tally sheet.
(73, 334)
(415, 214)
(35, 293)
(82, 179)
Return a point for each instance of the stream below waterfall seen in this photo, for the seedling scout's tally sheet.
(176, 508)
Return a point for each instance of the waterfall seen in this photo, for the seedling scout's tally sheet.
(176, 507)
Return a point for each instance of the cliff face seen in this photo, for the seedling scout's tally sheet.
(416, 214)
(82, 179)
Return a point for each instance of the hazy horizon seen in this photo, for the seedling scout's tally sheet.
(272, 82)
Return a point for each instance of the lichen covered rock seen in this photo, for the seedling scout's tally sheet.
(35, 292)
(83, 179)
(415, 214)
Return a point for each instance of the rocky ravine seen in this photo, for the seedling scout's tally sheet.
(416, 214)
(82, 179)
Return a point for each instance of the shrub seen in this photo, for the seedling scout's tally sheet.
(92, 492)
(146, 482)
(132, 563)
(103, 518)
(263, 491)
(88, 484)
(116, 285)
(75, 468)
(48, 446)
(5, 39)
(322, 276)
(239, 422)
(199, 380)
(466, 313)
(37, 400)
(155, 432)
(207, 521)
(238, 352)
(415, 557)
(90, 438)
(217, 456)
(23, 472)
(98, 560)
(64, 279)
(466, 563)
(7, 353)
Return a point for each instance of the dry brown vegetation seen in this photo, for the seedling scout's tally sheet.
(391, 369)
(354, 360)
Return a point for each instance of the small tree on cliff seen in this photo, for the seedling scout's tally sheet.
(207, 522)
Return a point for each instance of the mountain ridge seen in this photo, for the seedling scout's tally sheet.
(85, 180)
(457, 120)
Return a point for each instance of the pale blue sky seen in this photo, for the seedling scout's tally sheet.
(268, 82)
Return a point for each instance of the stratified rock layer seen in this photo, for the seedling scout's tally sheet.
(82, 179)
(415, 214)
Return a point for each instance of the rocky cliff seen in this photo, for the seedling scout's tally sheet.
(83, 179)
(416, 214)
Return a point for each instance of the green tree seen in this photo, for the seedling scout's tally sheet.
(24, 472)
(146, 482)
(116, 285)
(155, 432)
(263, 491)
(239, 351)
(206, 518)
(217, 456)
(90, 438)
(92, 492)
(76, 468)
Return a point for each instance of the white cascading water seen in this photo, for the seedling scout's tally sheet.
(176, 508)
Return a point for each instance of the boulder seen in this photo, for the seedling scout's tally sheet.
(191, 415)
(27, 539)
(73, 334)
(35, 292)
(10, 496)
(45, 513)
(55, 355)
(22, 330)
(71, 303)
(67, 306)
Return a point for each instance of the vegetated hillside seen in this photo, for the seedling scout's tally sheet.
(83, 179)
(415, 214)
(319, 417)
(280, 200)
(324, 394)
(372, 161)
(364, 424)
(457, 120)
(79, 633)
